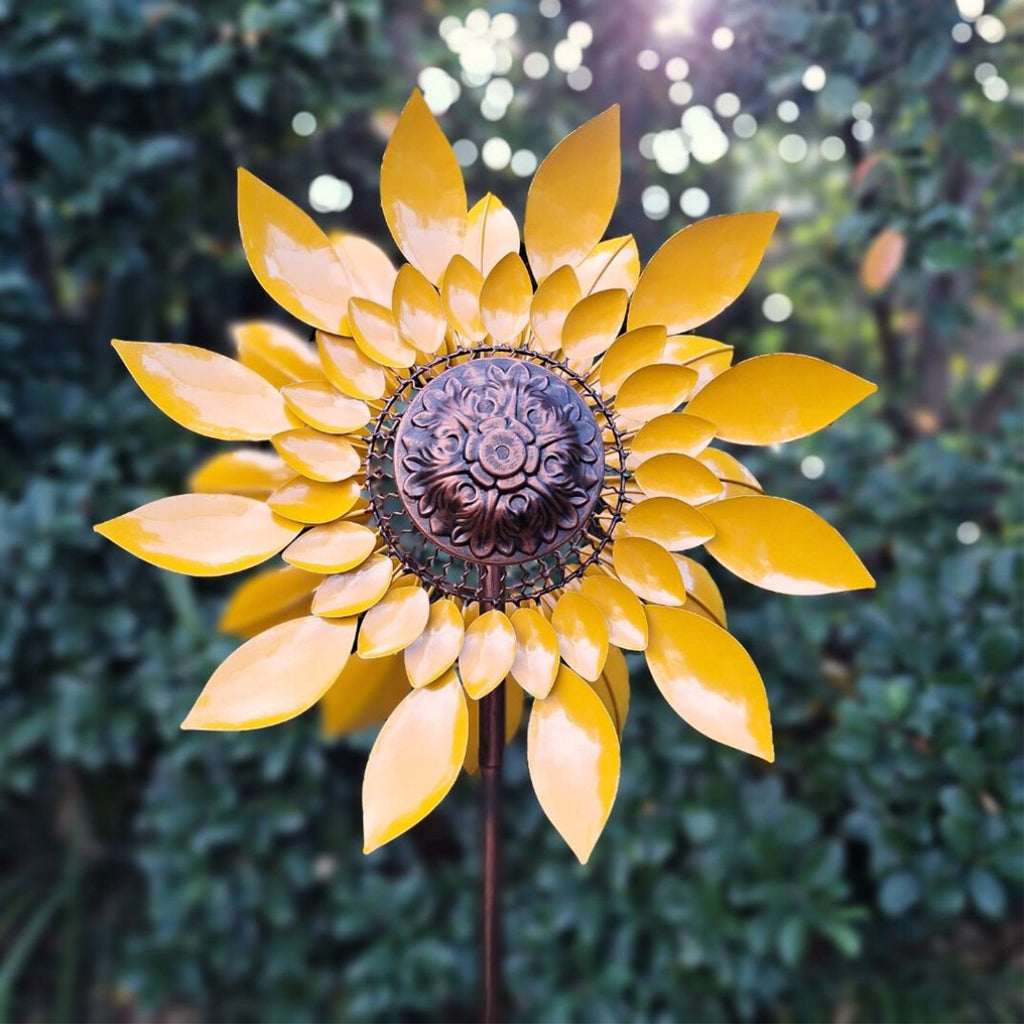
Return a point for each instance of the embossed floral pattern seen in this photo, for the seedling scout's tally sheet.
(499, 460)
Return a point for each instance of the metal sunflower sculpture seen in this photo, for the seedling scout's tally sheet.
(489, 471)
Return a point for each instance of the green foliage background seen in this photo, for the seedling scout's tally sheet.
(874, 872)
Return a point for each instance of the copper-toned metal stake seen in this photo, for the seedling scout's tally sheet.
(492, 747)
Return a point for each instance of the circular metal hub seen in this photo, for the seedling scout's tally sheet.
(498, 461)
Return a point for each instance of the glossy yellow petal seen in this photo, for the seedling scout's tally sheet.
(776, 398)
(573, 754)
(582, 634)
(634, 350)
(572, 195)
(421, 191)
(274, 676)
(654, 391)
(246, 471)
(613, 263)
(267, 598)
(677, 476)
(613, 687)
(201, 534)
(275, 353)
(312, 502)
(394, 622)
(488, 653)
(705, 356)
(513, 719)
(352, 592)
(593, 323)
(370, 272)
(702, 594)
(701, 270)
(364, 694)
(738, 480)
(460, 298)
(505, 299)
(415, 760)
(648, 570)
(417, 311)
(674, 432)
(336, 547)
(317, 456)
(436, 649)
(318, 403)
(536, 661)
(672, 523)
(290, 256)
(205, 392)
(351, 371)
(555, 296)
(491, 233)
(709, 680)
(782, 546)
(374, 331)
(621, 608)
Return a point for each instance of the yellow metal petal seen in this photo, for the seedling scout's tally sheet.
(669, 522)
(421, 191)
(352, 592)
(782, 546)
(709, 680)
(702, 594)
(573, 755)
(776, 398)
(460, 298)
(654, 391)
(593, 323)
(370, 272)
(415, 760)
(677, 476)
(636, 349)
(274, 676)
(513, 719)
(417, 311)
(491, 232)
(275, 353)
(572, 195)
(267, 598)
(621, 608)
(505, 299)
(674, 432)
(246, 471)
(204, 391)
(701, 270)
(738, 480)
(201, 534)
(555, 296)
(648, 570)
(336, 547)
(613, 687)
(318, 403)
(317, 456)
(488, 653)
(374, 330)
(582, 634)
(536, 662)
(614, 263)
(707, 357)
(394, 622)
(351, 371)
(290, 256)
(364, 694)
(435, 651)
(312, 502)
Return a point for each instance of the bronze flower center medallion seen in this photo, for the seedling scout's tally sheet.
(498, 461)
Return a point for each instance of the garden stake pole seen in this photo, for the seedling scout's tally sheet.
(492, 748)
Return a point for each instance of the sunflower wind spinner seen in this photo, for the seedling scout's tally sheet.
(482, 475)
